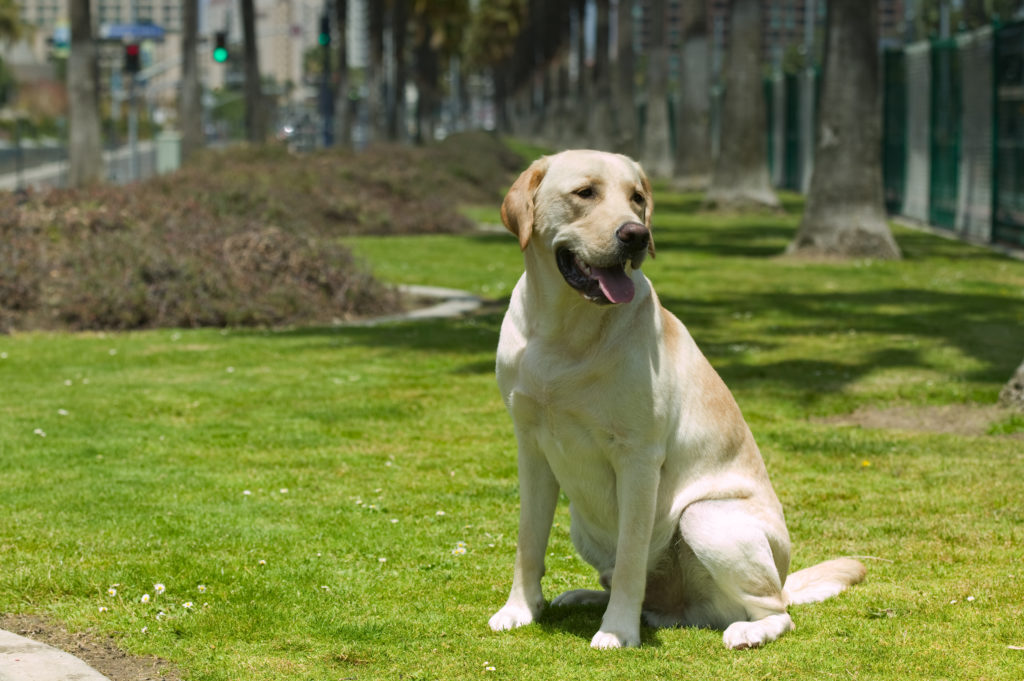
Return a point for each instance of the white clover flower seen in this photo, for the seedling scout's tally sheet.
(144, 599)
(159, 589)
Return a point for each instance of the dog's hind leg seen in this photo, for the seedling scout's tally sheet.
(747, 558)
(582, 597)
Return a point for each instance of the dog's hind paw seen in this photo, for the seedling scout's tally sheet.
(511, 616)
(743, 635)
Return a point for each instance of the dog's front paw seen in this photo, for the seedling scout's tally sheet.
(611, 639)
(511, 616)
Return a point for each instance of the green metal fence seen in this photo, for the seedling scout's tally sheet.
(1008, 136)
(953, 133)
(945, 134)
(894, 129)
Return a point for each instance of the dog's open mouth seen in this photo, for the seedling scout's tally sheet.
(601, 285)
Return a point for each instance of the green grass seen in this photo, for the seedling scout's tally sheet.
(153, 439)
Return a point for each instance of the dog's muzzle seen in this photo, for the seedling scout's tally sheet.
(607, 283)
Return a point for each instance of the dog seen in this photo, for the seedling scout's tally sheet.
(613, 403)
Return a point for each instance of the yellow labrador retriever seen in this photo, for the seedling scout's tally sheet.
(613, 403)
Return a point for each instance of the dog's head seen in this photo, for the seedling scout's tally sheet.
(590, 212)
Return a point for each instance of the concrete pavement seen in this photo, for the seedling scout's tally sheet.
(22, 659)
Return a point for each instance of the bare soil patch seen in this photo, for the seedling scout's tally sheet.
(98, 651)
(958, 419)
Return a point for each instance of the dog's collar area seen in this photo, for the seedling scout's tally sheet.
(601, 285)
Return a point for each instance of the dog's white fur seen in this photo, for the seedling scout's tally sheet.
(614, 404)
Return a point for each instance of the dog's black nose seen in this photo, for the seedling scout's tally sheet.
(634, 236)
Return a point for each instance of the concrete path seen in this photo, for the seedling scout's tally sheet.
(22, 659)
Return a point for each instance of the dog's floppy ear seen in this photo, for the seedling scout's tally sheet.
(517, 208)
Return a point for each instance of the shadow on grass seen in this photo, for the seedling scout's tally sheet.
(583, 621)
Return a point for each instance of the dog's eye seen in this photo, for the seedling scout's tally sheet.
(585, 192)
(638, 198)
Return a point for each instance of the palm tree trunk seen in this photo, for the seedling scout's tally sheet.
(342, 103)
(85, 149)
(657, 149)
(625, 80)
(601, 125)
(693, 131)
(845, 213)
(255, 129)
(740, 174)
(191, 91)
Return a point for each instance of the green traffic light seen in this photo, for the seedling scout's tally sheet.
(325, 39)
(220, 55)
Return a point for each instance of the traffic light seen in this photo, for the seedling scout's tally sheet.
(325, 31)
(220, 47)
(131, 58)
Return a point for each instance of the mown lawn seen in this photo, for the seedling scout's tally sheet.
(346, 497)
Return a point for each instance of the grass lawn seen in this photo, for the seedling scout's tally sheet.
(341, 503)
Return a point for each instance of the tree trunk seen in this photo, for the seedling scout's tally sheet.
(625, 80)
(693, 131)
(191, 113)
(657, 149)
(740, 175)
(375, 74)
(427, 74)
(255, 129)
(845, 213)
(85, 149)
(601, 126)
(342, 103)
(580, 111)
(396, 99)
(1012, 394)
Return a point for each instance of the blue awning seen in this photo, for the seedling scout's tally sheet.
(131, 32)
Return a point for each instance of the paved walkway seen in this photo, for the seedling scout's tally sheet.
(22, 659)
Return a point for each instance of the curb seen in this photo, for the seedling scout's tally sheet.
(22, 659)
(454, 303)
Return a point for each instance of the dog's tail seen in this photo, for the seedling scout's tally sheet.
(822, 581)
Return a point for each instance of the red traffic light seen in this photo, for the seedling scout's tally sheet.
(131, 58)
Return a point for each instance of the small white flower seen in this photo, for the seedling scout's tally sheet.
(246, 493)
(439, 514)
(160, 615)
(201, 588)
(111, 591)
(159, 589)
(325, 587)
(112, 352)
(67, 382)
(230, 370)
(3, 355)
(145, 630)
(970, 598)
(394, 520)
(262, 562)
(62, 412)
(39, 432)
(382, 560)
(284, 490)
(187, 605)
(103, 608)
(144, 599)
(459, 551)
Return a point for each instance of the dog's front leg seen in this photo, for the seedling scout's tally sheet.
(538, 496)
(637, 492)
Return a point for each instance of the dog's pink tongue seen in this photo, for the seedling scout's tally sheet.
(616, 286)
